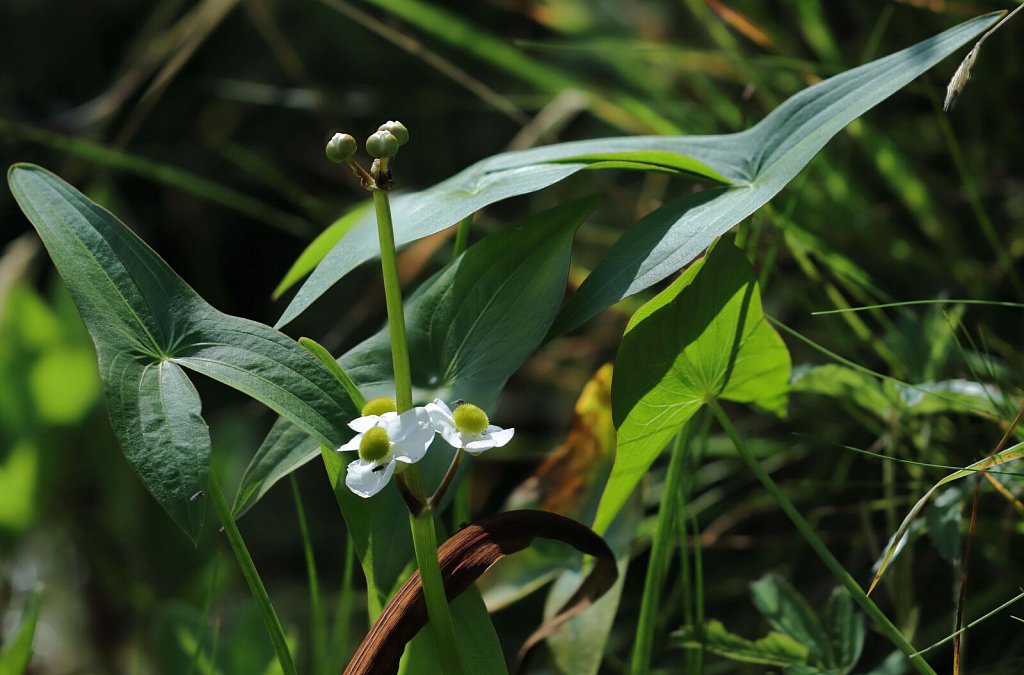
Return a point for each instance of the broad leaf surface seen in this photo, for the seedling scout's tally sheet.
(788, 613)
(757, 163)
(470, 327)
(704, 337)
(146, 324)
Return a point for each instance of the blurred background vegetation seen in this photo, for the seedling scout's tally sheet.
(201, 124)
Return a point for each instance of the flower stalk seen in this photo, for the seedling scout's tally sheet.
(421, 519)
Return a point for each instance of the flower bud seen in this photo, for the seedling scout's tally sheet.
(382, 144)
(341, 148)
(397, 130)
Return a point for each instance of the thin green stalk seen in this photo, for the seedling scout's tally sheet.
(810, 536)
(698, 586)
(462, 236)
(421, 521)
(346, 382)
(317, 619)
(393, 298)
(252, 578)
(424, 539)
(661, 553)
(343, 610)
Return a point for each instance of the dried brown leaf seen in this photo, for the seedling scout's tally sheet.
(467, 555)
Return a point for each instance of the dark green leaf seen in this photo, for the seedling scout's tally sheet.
(146, 324)
(788, 612)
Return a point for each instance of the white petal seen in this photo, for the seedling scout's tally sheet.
(479, 445)
(363, 480)
(451, 434)
(498, 435)
(352, 445)
(362, 424)
(440, 414)
(413, 444)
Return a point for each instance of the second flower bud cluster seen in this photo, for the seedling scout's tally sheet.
(385, 437)
(382, 144)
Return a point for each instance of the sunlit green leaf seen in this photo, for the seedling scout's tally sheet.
(703, 337)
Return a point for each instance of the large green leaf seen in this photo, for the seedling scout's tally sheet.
(147, 323)
(470, 327)
(757, 163)
(704, 337)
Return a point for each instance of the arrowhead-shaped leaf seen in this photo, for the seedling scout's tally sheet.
(755, 164)
(146, 324)
(704, 337)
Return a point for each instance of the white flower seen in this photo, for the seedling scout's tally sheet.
(467, 427)
(383, 440)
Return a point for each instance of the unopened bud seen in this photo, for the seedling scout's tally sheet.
(397, 130)
(341, 148)
(382, 144)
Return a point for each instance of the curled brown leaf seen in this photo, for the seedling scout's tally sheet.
(467, 555)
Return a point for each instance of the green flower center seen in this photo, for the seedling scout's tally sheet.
(375, 445)
(379, 406)
(470, 419)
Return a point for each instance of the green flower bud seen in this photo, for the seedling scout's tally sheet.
(379, 406)
(375, 445)
(397, 130)
(341, 148)
(382, 144)
(470, 419)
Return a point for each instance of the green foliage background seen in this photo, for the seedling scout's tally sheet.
(219, 167)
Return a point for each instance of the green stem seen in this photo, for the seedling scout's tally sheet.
(867, 604)
(462, 236)
(420, 521)
(424, 539)
(659, 558)
(393, 297)
(317, 619)
(343, 610)
(252, 578)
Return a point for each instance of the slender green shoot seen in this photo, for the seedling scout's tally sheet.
(905, 303)
(661, 553)
(338, 646)
(317, 619)
(810, 536)
(698, 586)
(252, 578)
(324, 357)
(462, 236)
(974, 623)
